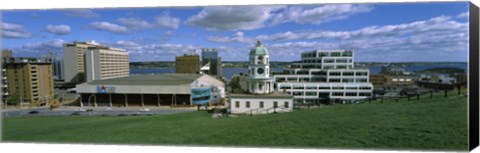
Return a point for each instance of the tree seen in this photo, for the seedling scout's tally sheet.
(235, 83)
(14, 99)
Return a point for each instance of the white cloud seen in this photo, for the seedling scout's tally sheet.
(166, 21)
(81, 13)
(58, 29)
(440, 37)
(135, 23)
(318, 15)
(436, 24)
(37, 49)
(109, 27)
(233, 17)
(142, 51)
(237, 37)
(255, 17)
(463, 15)
(10, 30)
(126, 43)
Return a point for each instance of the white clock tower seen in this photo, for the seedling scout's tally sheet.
(259, 80)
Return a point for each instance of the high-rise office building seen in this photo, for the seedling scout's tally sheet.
(210, 58)
(325, 76)
(188, 63)
(57, 65)
(31, 79)
(106, 63)
(103, 62)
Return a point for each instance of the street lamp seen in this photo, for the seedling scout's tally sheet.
(90, 111)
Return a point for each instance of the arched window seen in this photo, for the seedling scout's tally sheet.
(260, 60)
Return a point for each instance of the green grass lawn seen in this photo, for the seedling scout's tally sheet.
(438, 124)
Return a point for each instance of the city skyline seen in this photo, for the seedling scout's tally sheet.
(399, 32)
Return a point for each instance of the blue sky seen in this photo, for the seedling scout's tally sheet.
(384, 32)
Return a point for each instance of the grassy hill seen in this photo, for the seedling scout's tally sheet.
(437, 124)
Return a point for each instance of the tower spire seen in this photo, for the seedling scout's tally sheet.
(258, 43)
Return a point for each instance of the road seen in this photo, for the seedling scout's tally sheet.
(99, 111)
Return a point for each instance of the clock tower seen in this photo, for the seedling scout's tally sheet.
(259, 80)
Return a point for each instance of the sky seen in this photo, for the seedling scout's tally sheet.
(377, 32)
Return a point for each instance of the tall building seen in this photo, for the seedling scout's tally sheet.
(188, 63)
(106, 63)
(103, 62)
(210, 58)
(31, 79)
(325, 76)
(258, 96)
(58, 66)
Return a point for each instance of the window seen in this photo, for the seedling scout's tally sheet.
(298, 87)
(335, 54)
(338, 88)
(311, 87)
(310, 93)
(341, 60)
(275, 104)
(335, 73)
(338, 94)
(324, 87)
(247, 104)
(361, 74)
(329, 61)
(347, 73)
(297, 93)
(351, 88)
(351, 94)
(285, 87)
(261, 104)
(347, 53)
(286, 104)
(237, 104)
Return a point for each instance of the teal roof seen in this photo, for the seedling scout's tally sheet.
(259, 49)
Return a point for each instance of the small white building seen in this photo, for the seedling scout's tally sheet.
(258, 96)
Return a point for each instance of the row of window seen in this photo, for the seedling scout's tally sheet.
(331, 54)
(261, 104)
(347, 80)
(328, 87)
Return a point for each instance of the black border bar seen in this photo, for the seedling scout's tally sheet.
(473, 75)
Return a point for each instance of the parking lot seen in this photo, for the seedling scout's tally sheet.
(79, 111)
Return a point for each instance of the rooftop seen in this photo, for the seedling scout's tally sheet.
(151, 79)
(259, 49)
(261, 96)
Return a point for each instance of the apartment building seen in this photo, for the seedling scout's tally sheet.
(324, 76)
(188, 63)
(100, 63)
(31, 79)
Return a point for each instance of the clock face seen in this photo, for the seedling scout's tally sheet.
(260, 71)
